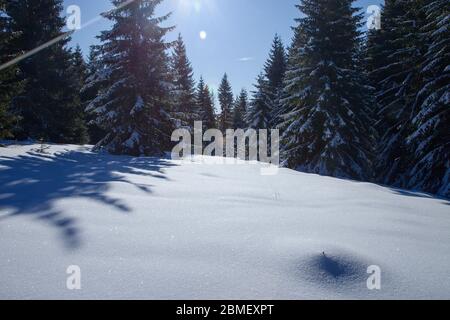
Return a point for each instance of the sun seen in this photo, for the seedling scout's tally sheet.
(203, 35)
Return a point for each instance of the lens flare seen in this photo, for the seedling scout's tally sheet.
(190, 7)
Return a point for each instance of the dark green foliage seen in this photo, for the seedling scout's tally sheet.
(240, 110)
(134, 103)
(265, 107)
(326, 128)
(259, 113)
(394, 52)
(226, 105)
(205, 106)
(184, 107)
(48, 105)
(408, 63)
(95, 83)
(429, 140)
(8, 86)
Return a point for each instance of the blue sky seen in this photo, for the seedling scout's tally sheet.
(239, 33)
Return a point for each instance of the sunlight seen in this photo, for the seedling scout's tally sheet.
(188, 7)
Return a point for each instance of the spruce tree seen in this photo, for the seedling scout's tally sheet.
(7, 118)
(275, 70)
(259, 112)
(226, 105)
(8, 86)
(205, 106)
(185, 110)
(77, 131)
(95, 84)
(275, 67)
(211, 107)
(429, 140)
(292, 63)
(79, 66)
(394, 54)
(325, 124)
(135, 103)
(240, 110)
(47, 104)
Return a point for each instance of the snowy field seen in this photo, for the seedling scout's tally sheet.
(159, 229)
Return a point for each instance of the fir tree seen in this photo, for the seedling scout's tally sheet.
(77, 131)
(259, 112)
(8, 87)
(292, 63)
(205, 105)
(266, 107)
(275, 67)
(134, 105)
(275, 70)
(325, 127)
(226, 105)
(79, 67)
(210, 115)
(47, 104)
(95, 83)
(185, 110)
(7, 118)
(240, 110)
(394, 54)
(429, 139)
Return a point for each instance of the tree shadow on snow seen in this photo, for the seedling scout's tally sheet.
(417, 194)
(30, 185)
(405, 192)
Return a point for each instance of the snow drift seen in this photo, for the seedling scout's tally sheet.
(147, 228)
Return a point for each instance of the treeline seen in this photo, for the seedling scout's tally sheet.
(128, 97)
(368, 106)
(371, 107)
(39, 96)
(408, 63)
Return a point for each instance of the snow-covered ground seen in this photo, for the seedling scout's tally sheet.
(161, 229)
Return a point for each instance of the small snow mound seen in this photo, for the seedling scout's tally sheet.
(334, 269)
(335, 266)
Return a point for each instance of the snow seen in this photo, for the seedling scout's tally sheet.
(138, 106)
(133, 140)
(161, 229)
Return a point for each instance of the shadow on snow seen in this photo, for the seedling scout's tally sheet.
(31, 183)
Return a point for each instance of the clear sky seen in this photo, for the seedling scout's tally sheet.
(238, 33)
